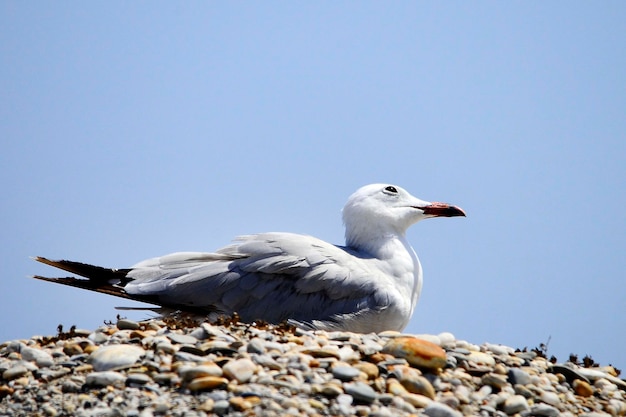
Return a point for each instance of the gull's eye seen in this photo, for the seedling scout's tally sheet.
(391, 189)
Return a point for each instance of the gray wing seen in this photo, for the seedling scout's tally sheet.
(271, 277)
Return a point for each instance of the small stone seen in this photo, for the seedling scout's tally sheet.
(221, 407)
(255, 346)
(182, 339)
(207, 405)
(240, 403)
(446, 338)
(207, 383)
(582, 388)
(15, 372)
(239, 369)
(368, 369)
(417, 400)
(500, 369)
(498, 349)
(322, 353)
(518, 376)
(414, 382)
(481, 359)
(361, 392)
(103, 379)
(5, 390)
(70, 386)
(187, 373)
(549, 397)
(42, 358)
(98, 337)
(522, 390)
(72, 349)
(345, 373)
(137, 379)
(396, 388)
(331, 390)
(436, 409)
(515, 404)
(543, 410)
(417, 352)
(115, 357)
(126, 324)
(494, 380)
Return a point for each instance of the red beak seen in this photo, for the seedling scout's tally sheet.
(442, 210)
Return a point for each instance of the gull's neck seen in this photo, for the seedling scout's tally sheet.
(395, 255)
(379, 242)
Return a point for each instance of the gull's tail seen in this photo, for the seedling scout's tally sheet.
(99, 279)
(106, 281)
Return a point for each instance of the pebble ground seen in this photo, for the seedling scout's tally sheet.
(179, 367)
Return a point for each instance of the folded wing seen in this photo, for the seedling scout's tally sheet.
(272, 276)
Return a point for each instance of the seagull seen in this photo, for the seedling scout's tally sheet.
(371, 284)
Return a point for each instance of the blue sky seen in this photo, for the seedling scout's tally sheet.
(131, 130)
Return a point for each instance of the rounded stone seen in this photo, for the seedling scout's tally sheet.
(481, 358)
(14, 372)
(115, 357)
(126, 324)
(436, 409)
(138, 379)
(240, 403)
(368, 368)
(239, 369)
(345, 373)
(494, 380)
(446, 338)
(417, 400)
(518, 376)
(42, 358)
(187, 373)
(255, 346)
(361, 392)
(414, 382)
(182, 339)
(549, 397)
(331, 390)
(207, 383)
(221, 407)
(105, 378)
(515, 404)
(544, 410)
(417, 352)
(582, 388)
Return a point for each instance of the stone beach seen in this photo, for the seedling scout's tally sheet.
(180, 367)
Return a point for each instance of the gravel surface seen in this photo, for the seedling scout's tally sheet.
(180, 367)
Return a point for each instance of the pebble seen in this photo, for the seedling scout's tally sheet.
(360, 391)
(441, 410)
(240, 369)
(542, 410)
(115, 357)
(125, 324)
(15, 372)
(105, 378)
(42, 358)
(206, 383)
(582, 388)
(412, 380)
(170, 367)
(518, 376)
(515, 404)
(345, 373)
(182, 339)
(418, 352)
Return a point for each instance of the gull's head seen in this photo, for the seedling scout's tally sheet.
(376, 211)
